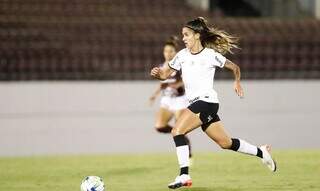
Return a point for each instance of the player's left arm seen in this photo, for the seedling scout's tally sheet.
(237, 75)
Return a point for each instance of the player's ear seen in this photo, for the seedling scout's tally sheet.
(197, 36)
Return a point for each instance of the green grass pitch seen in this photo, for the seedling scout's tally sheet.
(216, 171)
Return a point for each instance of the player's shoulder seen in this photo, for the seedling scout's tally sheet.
(210, 51)
(182, 52)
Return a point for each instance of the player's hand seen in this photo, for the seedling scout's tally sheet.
(238, 89)
(156, 72)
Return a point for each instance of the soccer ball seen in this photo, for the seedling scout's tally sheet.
(92, 183)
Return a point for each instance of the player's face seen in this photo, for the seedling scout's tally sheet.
(189, 37)
(169, 52)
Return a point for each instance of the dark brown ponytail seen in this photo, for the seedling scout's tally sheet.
(211, 37)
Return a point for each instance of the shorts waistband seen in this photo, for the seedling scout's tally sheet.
(194, 99)
(206, 97)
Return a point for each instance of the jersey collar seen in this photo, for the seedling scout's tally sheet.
(197, 52)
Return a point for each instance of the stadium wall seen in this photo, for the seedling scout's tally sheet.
(41, 118)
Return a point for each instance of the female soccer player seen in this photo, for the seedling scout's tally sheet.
(204, 52)
(173, 100)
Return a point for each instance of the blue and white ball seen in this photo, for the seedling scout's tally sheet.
(92, 183)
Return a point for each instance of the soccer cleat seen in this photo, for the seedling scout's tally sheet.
(267, 159)
(182, 180)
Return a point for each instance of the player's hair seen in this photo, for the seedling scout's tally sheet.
(172, 41)
(211, 37)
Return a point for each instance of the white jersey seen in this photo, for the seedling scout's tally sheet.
(198, 73)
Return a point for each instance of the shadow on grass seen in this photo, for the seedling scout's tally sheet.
(211, 189)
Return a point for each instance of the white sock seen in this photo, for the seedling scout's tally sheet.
(183, 155)
(247, 148)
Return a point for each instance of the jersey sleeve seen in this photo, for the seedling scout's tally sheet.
(175, 63)
(219, 60)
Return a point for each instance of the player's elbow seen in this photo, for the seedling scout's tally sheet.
(231, 66)
(236, 68)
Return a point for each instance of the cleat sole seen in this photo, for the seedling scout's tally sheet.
(175, 186)
(275, 165)
(179, 185)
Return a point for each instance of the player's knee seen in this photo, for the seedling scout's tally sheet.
(176, 131)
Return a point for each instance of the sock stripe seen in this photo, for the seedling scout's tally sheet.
(259, 153)
(235, 144)
(180, 140)
(184, 170)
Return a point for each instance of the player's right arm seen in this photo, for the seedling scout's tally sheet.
(161, 73)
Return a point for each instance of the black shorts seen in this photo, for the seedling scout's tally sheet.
(208, 112)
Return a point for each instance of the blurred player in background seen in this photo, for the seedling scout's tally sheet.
(173, 101)
(204, 52)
